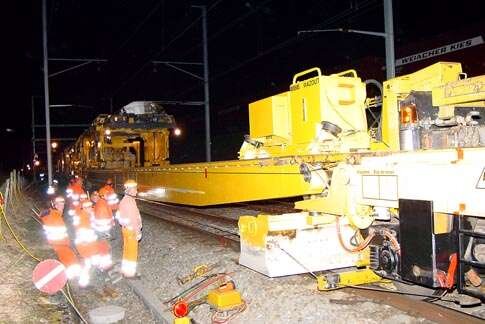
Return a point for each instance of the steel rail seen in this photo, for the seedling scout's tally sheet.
(173, 215)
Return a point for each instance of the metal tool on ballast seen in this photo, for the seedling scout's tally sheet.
(197, 272)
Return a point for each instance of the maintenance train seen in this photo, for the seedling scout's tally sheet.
(399, 198)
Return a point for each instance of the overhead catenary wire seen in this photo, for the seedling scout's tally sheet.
(351, 12)
(164, 49)
(234, 22)
(139, 26)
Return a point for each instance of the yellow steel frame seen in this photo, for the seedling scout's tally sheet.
(466, 92)
(204, 184)
(223, 182)
(399, 88)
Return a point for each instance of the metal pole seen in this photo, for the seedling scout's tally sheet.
(389, 30)
(46, 93)
(206, 86)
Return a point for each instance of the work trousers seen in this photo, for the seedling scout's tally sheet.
(88, 251)
(104, 253)
(130, 252)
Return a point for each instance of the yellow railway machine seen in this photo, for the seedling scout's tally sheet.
(402, 200)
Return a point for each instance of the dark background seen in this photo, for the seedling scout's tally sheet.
(253, 52)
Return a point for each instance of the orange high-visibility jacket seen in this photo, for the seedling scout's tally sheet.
(129, 214)
(84, 219)
(107, 190)
(55, 228)
(102, 210)
(86, 238)
(110, 196)
(77, 188)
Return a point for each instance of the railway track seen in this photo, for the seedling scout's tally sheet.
(213, 224)
(225, 227)
(420, 307)
(270, 206)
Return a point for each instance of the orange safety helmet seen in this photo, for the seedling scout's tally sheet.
(109, 181)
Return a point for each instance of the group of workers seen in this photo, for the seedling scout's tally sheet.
(92, 219)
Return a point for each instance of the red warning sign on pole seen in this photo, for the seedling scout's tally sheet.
(49, 276)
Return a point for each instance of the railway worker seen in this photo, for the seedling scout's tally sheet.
(130, 221)
(108, 186)
(57, 236)
(100, 251)
(110, 194)
(102, 224)
(76, 192)
(86, 241)
(103, 215)
(77, 186)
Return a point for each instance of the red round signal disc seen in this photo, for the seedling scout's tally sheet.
(180, 309)
(49, 276)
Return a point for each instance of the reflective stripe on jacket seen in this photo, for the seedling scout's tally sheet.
(55, 228)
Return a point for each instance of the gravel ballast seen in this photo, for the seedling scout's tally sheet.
(168, 251)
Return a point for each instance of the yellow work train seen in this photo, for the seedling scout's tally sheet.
(400, 199)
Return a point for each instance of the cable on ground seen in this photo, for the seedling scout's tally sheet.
(219, 317)
(27, 251)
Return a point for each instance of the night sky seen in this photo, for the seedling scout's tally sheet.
(253, 53)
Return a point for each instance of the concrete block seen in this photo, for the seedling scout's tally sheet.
(107, 314)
